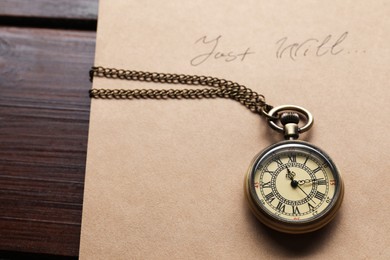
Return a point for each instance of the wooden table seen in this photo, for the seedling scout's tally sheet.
(46, 50)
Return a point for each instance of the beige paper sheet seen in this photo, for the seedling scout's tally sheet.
(164, 179)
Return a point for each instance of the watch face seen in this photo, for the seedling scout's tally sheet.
(294, 187)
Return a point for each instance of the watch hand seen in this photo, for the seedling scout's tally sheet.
(291, 176)
(306, 194)
(301, 182)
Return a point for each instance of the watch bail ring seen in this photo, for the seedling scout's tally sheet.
(273, 113)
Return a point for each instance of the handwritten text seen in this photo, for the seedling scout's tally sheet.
(212, 52)
(329, 45)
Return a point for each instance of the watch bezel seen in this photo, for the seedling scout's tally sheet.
(282, 224)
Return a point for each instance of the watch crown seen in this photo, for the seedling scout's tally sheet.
(290, 122)
(289, 118)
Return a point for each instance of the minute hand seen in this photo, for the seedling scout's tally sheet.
(307, 195)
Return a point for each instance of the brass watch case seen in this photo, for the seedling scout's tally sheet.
(287, 226)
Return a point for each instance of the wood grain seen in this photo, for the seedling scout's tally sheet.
(44, 113)
(75, 9)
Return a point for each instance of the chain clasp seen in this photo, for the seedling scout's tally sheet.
(289, 116)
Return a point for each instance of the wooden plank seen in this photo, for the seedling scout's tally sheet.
(59, 237)
(44, 113)
(75, 9)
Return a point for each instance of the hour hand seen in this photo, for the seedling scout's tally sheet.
(290, 174)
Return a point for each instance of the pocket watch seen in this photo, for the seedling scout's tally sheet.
(291, 186)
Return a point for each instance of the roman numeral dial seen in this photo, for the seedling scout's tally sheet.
(294, 184)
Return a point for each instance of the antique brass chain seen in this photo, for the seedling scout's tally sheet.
(218, 88)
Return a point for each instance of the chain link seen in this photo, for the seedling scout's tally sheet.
(217, 88)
